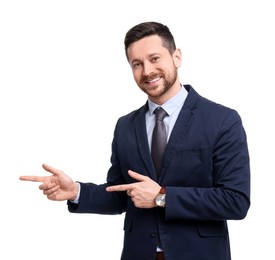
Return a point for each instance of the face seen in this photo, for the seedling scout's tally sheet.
(154, 68)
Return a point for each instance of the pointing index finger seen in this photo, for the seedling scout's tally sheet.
(121, 187)
(32, 178)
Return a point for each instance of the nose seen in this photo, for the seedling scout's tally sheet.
(148, 68)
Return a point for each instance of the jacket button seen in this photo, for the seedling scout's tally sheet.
(154, 234)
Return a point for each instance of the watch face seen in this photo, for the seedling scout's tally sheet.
(160, 200)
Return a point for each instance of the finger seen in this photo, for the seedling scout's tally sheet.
(32, 178)
(122, 187)
(51, 190)
(40, 178)
(51, 169)
(137, 176)
(47, 186)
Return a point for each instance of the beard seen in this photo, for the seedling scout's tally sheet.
(166, 82)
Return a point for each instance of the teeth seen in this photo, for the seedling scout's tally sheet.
(153, 80)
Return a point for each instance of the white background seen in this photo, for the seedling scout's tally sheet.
(61, 62)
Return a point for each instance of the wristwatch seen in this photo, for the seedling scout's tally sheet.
(160, 199)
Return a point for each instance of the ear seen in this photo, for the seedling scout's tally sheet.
(177, 57)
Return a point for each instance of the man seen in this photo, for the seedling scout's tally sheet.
(177, 210)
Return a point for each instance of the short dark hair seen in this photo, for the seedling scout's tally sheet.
(147, 29)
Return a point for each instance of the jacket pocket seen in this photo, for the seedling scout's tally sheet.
(191, 167)
(212, 228)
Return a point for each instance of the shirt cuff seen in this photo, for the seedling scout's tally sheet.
(76, 200)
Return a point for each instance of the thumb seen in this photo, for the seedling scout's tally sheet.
(51, 169)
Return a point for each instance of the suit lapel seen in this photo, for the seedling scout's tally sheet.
(180, 128)
(142, 142)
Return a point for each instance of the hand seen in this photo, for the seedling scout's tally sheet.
(57, 186)
(142, 193)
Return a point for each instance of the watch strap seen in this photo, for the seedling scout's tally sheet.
(162, 190)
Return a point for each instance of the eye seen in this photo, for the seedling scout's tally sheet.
(136, 65)
(155, 59)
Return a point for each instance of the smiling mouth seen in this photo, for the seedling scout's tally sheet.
(153, 80)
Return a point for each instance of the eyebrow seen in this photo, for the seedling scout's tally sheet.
(150, 56)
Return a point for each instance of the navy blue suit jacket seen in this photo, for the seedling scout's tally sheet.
(206, 174)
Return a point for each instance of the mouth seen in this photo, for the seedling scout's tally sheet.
(152, 81)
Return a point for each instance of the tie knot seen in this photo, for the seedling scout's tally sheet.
(160, 113)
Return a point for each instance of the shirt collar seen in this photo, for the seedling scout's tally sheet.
(170, 105)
